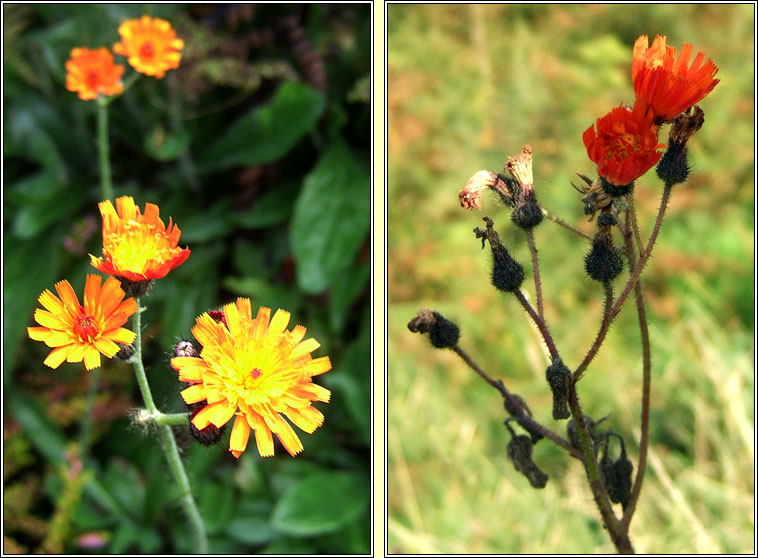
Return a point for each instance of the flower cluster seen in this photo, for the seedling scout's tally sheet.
(136, 247)
(625, 145)
(150, 45)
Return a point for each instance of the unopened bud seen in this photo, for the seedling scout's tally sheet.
(125, 352)
(442, 332)
(507, 273)
(559, 378)
(673, 167)
(603, 263)
(186, 348)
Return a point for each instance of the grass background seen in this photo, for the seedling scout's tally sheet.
(468, 85)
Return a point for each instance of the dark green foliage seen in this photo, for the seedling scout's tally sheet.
(258, 148)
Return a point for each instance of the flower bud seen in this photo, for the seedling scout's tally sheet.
(186, 348)
(559, 378)
(211, 434)
(673, 167)
(520, 453)
(507, 273)
(603, 263)
(125, 352)
(135, 289)
(617, 475)
(442, 332)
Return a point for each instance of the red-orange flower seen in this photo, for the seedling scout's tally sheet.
(257, 371)
(137, 246)
(92, 72)
(625, 145)
(83, 332)
(666, 84)
(151, 45)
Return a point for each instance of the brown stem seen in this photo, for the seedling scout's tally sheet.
(558, 221)
(536, 271)
(524, 419)
(604, 325)
(539, 322)
(618, 533)
(646, 366)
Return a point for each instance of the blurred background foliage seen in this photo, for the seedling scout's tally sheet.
(468, 85)
(258, 148)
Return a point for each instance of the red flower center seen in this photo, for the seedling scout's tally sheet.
(85, 327)
(255, 373)
(147, 50)
(92, 79)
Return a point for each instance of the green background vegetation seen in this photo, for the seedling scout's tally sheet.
(467, 87)
(258, 148)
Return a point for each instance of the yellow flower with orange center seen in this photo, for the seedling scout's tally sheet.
(258, 372)
(137, 246)
(92, 72)
(150, 44)
(82, 332)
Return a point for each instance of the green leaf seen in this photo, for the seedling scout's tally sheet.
(45, 437)
(267, 132)
(164, 146)
(31, 220)
(345, 288)
(30, 268)
(216, 503)
(331, 218)
(321, 503)
(272, 208)
(215, 222)
(250, 530)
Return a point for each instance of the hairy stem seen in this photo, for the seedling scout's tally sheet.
(631, 218)
(539, 322)
(168, 443)
(536, 272)
(618, 533)
(604, 326)
(558, 221)
(523, 418)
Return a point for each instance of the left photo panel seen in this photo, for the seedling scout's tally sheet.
(187, 304)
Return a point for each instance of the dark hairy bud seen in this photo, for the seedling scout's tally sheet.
(522, 410)
(673, 167)
(507, 273)
(520, 453)
(442, 332)
(559, 378)
(603, 262)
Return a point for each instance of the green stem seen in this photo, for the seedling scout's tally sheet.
(86, 427)
(646, 369)
(103, 148)
(168, 443)
(618, 533)
(558, 221)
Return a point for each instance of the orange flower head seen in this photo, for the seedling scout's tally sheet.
(137, 246)
(666, 84)
(150, 44)
(625, 145)
(257, 372)
(92, 72)
(82, 332)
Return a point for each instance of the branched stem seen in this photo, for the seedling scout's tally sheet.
(168, 443)
(523, 418)
(618, 533)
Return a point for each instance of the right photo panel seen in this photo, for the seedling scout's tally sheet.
(570, 279)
